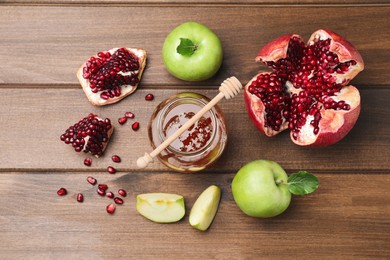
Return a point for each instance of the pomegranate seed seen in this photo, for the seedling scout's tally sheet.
(103, 186)
(116, 158)
(149, 97)
(111, 170)
(135, 126)
(110, 208)
(91, 180)
(101, 192)
(122, 120)
(80, 197)
(110, 195)
(122, 192)
(118, 200)
(88, 161)
(62, 192)
(129, 115)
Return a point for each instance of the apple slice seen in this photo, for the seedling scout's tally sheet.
(161, 207)
(205, 208)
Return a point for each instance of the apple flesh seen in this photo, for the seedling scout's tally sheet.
(203, 63)
(260, 189)
(205, 208)
(161, 207)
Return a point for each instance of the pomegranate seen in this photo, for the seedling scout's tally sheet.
(111, 75)
(116, 158)
(149, 97)
(129, 115)
(111, 170)
(87, 161)
(62, 192)
(122, 192)
(307, 90)
(110, 208)
(91, 134)
(135, 126)
(110, 195)
(80, 197)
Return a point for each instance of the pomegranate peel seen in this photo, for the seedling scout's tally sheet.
(105, 82)
(306, 92)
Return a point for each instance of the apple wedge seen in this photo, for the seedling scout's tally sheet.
(205, 208)
(161, 207)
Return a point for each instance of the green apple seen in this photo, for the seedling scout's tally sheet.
(260, 189)
(205, 208)
(192, 52)
(161, 207)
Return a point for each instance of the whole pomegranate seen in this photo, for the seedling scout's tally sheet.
(307, 90)
(111, 75)
(90, 134)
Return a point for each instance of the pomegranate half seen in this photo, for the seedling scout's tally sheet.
(111, 75)
(307, 90)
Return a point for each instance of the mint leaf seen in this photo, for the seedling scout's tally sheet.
(186, 47)
(302, 183)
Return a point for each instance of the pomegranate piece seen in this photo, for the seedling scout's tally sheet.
(118, 201)
(91, 135)
(87, 161)
(307, 90)
(80, 197)
(135, 126)
(62, 192)
(111, 75)
(110, 208)
(122, 192)
(111, 170)
(149, 97)
(116, 158)
(129, 115)
(91, 180)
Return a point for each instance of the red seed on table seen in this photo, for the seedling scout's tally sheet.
(111, 170)
(101, 192)
(80, 197)
(116, 158)
(122, 120)
(129, 115)
(91, 180)
(149, 97)
(135, 126)
(62, 192)
(88, 161)
(110, 195)
(118, 200)
(122, 192)
(103, 186)
(110, 208)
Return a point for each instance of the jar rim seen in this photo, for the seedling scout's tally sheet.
(196, 99)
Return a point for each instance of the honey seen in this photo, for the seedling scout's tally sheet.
(200, 145)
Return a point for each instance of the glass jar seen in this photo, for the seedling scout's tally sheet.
(199, 146)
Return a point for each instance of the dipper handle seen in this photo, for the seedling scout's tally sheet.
(229, 88)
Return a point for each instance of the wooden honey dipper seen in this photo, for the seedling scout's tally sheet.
(229, 88)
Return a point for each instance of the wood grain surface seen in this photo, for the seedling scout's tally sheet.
(42, 45)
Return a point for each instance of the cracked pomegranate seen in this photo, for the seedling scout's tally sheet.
(307, 90)
(112, 75)
(91, 134)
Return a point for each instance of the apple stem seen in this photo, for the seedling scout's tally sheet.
(279, 182)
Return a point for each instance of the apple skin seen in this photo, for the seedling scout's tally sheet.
(256, 192)
(203, 63)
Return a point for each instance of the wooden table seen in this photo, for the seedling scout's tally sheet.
(42, 45)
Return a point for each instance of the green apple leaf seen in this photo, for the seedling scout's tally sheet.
(186, 47)
(302, 183)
